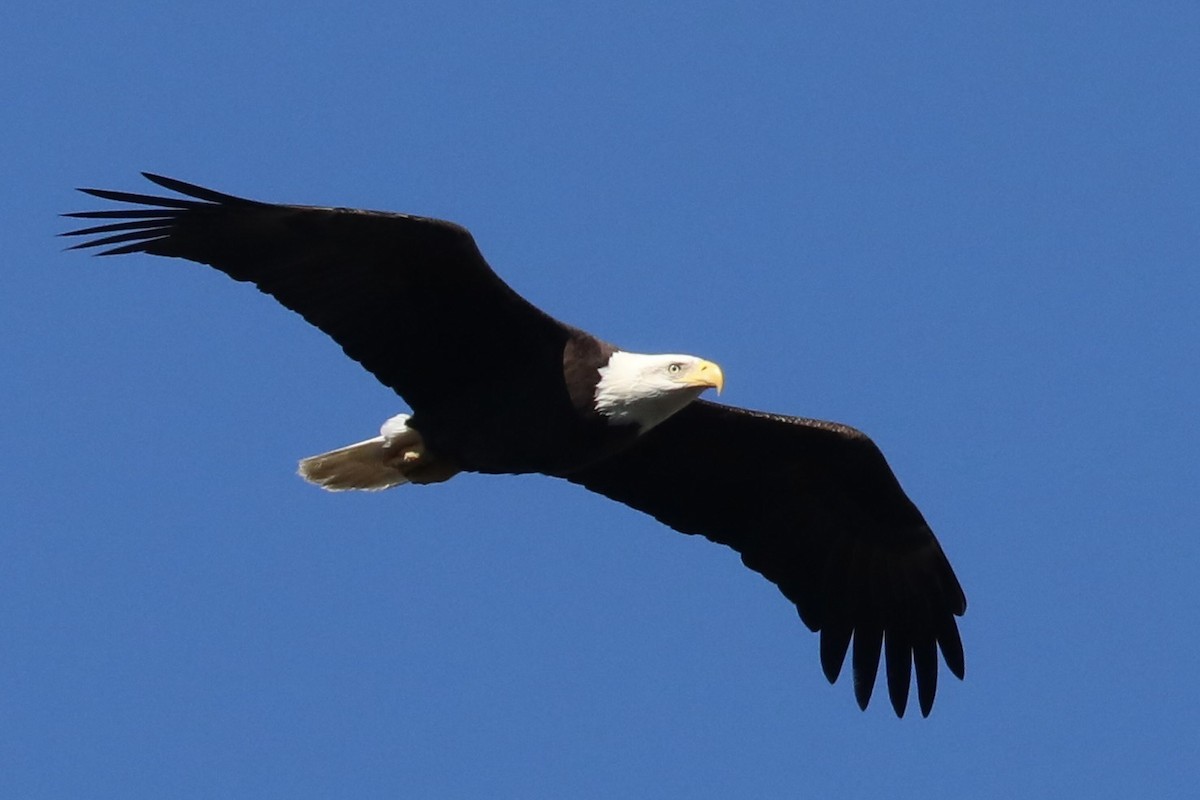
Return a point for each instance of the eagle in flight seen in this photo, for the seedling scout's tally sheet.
(496, 385)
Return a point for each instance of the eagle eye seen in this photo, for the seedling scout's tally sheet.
(674, 367)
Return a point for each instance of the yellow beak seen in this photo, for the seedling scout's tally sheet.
(705, 374)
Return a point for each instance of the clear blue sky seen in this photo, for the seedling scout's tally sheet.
(972, 230)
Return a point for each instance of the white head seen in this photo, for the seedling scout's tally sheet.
(646, 389)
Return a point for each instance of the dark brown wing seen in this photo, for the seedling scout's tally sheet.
(410, 298)
(813, 507)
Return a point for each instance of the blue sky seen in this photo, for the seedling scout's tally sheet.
(971, 230)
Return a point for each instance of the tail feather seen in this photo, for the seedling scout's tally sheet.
(371, 465)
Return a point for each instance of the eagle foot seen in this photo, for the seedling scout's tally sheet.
(422, 467)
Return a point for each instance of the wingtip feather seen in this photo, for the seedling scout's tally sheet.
(868, 643)
(898, 658)
(950, 643)
(926, 666)
(835, 642)
(193, 190)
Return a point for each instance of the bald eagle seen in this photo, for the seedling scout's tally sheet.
(496, 385)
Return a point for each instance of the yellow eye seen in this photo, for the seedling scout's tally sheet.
(675, 368)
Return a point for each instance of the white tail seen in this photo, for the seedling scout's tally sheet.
(371, 465)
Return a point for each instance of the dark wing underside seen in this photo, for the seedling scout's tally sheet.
(410, 298)
(813, 507)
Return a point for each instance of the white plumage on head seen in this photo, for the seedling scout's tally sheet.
(643, 390)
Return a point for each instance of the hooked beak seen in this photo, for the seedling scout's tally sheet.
(706, 375)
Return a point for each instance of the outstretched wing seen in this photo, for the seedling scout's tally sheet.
(813, 507)
(410, 298)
